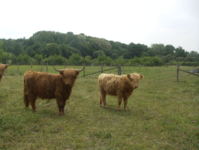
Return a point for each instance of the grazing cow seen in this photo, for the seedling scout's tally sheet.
(47, 86)
(2, 69)
(121, 86)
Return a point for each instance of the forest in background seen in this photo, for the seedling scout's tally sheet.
(79, 49)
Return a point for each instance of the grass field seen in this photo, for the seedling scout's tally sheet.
(162, 115)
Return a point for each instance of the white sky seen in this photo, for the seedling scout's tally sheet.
(173, 22)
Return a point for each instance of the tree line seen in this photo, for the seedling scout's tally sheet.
(77, 49)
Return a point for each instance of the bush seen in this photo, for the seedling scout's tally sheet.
(56, 60)
(146, 61)
(24, 59)
(75, 59)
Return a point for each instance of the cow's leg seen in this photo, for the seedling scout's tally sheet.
(61, 105)
(26, 100)
(102, 98)
(101, 101)
(125, 103)
(32, 100)
(119, 102)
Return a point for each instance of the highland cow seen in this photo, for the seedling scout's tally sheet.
(2, 69)
(47, 86)
(121, 86)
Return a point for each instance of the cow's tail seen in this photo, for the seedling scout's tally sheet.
(26, 102)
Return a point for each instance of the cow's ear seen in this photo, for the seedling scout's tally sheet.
(77, 72)
(141, 76)
(6, 66)
(61, 72)
(129, 77)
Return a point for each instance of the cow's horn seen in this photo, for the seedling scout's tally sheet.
(81, 69)
(58, 70)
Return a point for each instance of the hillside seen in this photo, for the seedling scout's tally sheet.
(70, 48)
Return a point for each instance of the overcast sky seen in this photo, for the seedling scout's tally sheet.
(173, 22)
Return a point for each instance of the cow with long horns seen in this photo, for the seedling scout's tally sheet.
(47, 86)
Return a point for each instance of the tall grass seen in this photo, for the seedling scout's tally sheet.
(163, 114)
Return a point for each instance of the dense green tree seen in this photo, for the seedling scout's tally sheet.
(98, 53)
(6, 57)
(180, 52)
(103, 59)
(52, 49)
(67, 51)
(120, 60)
(38, 58)
(14, 46)
(169, 50)
(135, 50)
(56, 60)
(87, 60)
(75, 59)
(157, 50)
(23, 59)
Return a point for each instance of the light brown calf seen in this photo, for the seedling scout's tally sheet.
(121, 86)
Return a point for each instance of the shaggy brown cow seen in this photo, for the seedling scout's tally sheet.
(121, 86)
(47, 86)
(2, 69)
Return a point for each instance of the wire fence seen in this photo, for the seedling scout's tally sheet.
(154, 77)
(93, 71)
(194, 72)
(87, 71)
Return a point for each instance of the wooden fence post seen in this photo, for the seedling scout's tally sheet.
(177, 75)
(102, 68)
(119, 70)
(84, 72)
(31, 65)
(41, 69)
(46, 66)
(18, 69)
(65, 66)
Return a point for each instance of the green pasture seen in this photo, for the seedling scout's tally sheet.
(163, 114)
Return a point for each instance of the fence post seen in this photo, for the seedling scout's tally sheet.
(41, 69)
(119, 70)
(84, 72)
(65, 66)
(46, 66)
(102, 68)
(31, 65)
(18, 68)
(177, 75)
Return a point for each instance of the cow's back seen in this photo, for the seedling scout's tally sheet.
(109, 83)
(40, 84)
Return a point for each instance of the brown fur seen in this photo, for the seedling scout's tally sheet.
(47, 86)
(121, 86)
(2, 69)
